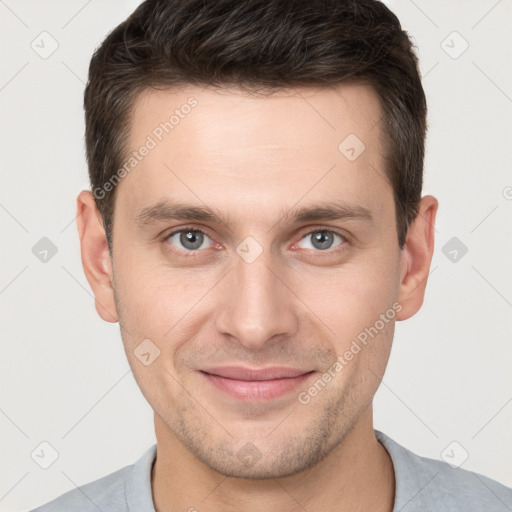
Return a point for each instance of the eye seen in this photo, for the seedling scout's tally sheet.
(189, 239)
(322, 239)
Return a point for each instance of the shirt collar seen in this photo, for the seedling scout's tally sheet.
(139, 496)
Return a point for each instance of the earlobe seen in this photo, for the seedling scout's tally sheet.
(416, 258)
(95, 256)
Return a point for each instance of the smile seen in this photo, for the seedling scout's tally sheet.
(256, 385)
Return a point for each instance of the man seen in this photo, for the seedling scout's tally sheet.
(256, 227)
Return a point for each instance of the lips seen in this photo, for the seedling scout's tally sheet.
(250, 384)
(248, 374)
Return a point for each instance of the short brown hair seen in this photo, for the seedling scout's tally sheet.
(273, 44)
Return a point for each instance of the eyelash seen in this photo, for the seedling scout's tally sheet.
(191, 253)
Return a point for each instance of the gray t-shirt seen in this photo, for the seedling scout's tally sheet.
(422, 485)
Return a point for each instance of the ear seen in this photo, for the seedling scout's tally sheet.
(416, 257)
(95, 256)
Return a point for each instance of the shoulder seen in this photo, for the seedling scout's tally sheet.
(429, 484)
(106, 493)
(119, 491)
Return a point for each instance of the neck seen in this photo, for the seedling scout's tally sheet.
(357, 475)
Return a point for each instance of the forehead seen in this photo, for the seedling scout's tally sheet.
(233, 150)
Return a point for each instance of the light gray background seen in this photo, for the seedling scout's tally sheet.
(64, 376)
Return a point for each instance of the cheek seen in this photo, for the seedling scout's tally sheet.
(352, 297)
(166, 306)
(152, 298)
(154, 314)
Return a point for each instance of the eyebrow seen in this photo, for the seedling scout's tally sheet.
(167, 210)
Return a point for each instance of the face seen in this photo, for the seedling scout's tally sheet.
(247, 238)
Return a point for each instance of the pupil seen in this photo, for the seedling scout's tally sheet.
(192, 238)
(324, 239)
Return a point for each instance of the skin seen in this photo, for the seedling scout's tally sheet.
(252, 159)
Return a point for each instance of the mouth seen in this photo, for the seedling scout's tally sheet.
(256, 385)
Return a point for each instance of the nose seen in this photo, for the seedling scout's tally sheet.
(257, 304)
